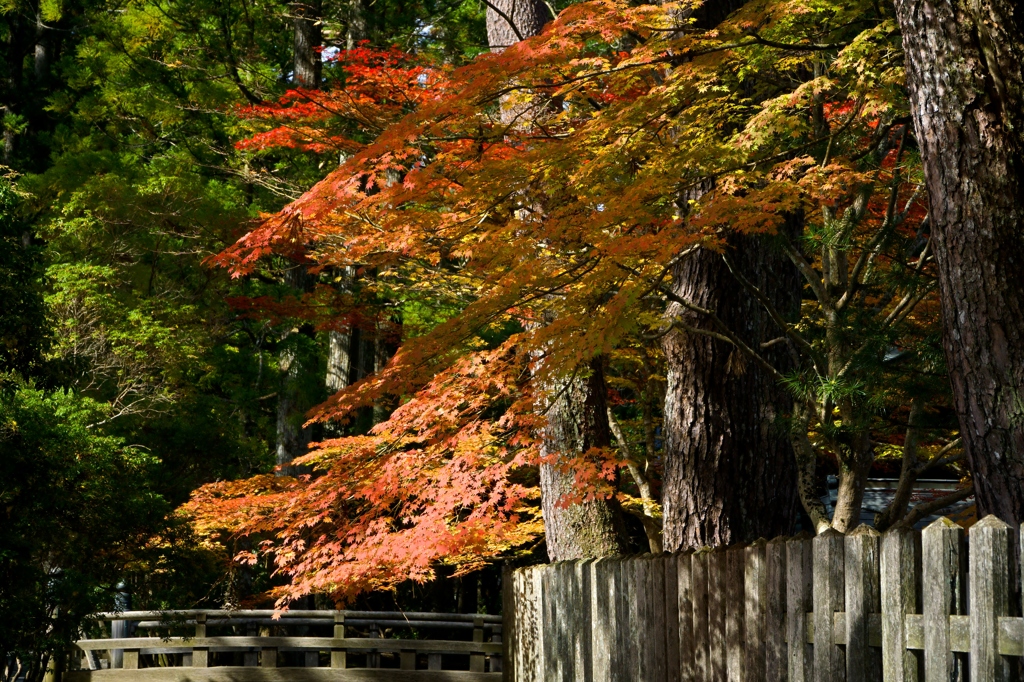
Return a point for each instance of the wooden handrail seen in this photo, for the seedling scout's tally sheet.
(282, 615)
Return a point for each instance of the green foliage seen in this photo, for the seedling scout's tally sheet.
(75, 513)
(22, 331)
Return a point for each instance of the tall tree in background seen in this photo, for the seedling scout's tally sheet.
(729, 473)
(964, 73)
(577, 417)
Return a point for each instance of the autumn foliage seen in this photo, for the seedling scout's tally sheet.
(550, 189)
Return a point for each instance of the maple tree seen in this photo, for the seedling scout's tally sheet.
(569, 219)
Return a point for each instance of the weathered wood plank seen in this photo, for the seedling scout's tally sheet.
(293, 643)
(684, 581)
(989, 597)
(246, 674)
(755, 596)
(658, 670)
(829, 595)
(942, 595)
(775, 654)
(476, 661)
(717, 590)
(735, 610)
(671, 569)
(603, 611)
(799, 602)
(899, 598)
(700, 565)
(862, 548)
(549, 624)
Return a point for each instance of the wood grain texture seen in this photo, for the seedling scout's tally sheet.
(776, 656)
(829, 595)
(799, 602)
(899, 598)
(863, 598)
(989, 597)
(942, 595)
(755, 592)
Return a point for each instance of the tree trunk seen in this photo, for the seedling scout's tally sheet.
(729, 470)
(578, 418)
(292, 403)
(576, 422)
(967, 97)
(509, 21)
(308, 36)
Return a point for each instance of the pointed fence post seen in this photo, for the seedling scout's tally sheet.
(899, 598)
(735, 610)
(989, 597)
(942, 594)
(799, 603)
(829, 597)
(863, 598)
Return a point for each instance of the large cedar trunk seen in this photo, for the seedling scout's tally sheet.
(967, 96)
(577, 420)
(308, 36)
(729, 470)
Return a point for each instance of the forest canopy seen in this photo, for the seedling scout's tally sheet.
(352, 302)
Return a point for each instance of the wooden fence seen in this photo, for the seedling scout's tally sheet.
(897, 607)
(299, 646)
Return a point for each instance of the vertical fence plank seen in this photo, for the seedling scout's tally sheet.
(717, 581)
(671, 568)
(899, 597)
(829, 595)
(549, 623)
(627, 612)
(603, 608)
(989, 595)
(862, 547)
(941, 595)
(656, 618)
(700, 565)
(684, 593)
(755, 589)
(799, 592)
(642, 597)
(775, 654)
(513, 604)
(735, 610)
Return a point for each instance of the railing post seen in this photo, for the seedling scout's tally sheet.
(250, 658)
(200, 655)
(990, 598)
(476, 661)
(829, 597)
(899, 598)
(338, 653)
(799, 602)
(942, 594)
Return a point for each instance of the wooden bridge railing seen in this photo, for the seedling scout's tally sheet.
(296, 646)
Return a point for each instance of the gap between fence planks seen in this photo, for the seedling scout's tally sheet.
(861, 607)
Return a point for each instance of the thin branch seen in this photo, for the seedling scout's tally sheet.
(928, 508)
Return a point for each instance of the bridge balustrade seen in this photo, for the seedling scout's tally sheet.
(289, 646)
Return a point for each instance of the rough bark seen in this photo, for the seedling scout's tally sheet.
(577, 420)
(308, 36)
(292, 438)
(729, 469)
(967, 97)
(509, 21)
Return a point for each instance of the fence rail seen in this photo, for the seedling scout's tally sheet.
(903, 606)
(242, 646)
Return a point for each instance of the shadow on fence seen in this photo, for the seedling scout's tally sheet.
(906, 605)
